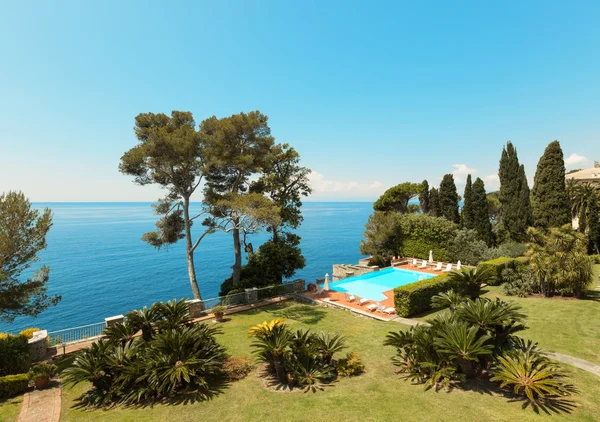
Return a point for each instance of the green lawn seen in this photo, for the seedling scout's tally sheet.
(568, 326)
(375, 396)
(9, 409)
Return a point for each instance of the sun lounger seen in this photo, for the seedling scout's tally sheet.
(423, 265)
(372, 307)
(448, 268)
(438, 267)
(414, 263)
(349, 298)
(320, 290)
(380, 307)
(389, 311)
(362, 301)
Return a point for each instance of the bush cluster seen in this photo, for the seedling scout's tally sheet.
(416, 297)
(297, 358)
(12, 385)
(14, 351)
(350, 366)
(520, 283)
(235, 368)
(499, 264)
(477, 338)
(171, 356)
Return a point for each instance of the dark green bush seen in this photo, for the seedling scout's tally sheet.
(499, 264)
(422, 233)
(416, 297)
(12, 385)
(14, 355)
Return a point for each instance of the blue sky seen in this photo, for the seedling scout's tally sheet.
(370, 93)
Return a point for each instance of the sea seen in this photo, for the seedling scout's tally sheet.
(101, 267)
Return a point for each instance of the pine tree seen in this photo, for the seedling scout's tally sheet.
(549, 197)
(424, 198)
(480, 211)
(448, 199)
(593, 226)
(434, 202)
(515, 206)
(467, 208)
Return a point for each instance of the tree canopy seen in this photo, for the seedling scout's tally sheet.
(448, 199)
(396, 198)
(515, 206)
(467, 218)
(480, 213)
(424, 199)
(23, 233)
(549, 203)
(170, 154)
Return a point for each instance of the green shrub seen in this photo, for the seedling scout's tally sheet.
(422, 233)
(42, 370)
(414, 298)
(14, 355)
(350, 366)
(596, 259)
(28, 332)
(499, 264)
(12, 385)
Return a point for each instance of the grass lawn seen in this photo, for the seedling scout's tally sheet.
(9, 408)
(376, 395)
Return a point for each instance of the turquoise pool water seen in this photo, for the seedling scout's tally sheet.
(372, 285)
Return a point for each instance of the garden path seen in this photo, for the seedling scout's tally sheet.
(42, 405)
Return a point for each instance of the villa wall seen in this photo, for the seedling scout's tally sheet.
(347, 270)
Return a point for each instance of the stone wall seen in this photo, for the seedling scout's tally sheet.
(341, 271)
(37, 345)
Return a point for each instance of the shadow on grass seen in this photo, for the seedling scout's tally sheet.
(215, 387)
(306, 314)
(593, 295)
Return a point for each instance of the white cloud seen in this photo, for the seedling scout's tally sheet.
(575, 160)
(461, 172)
(492, 182)
(322, 186)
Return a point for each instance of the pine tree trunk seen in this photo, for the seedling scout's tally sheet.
(189, 254)
(237, 250)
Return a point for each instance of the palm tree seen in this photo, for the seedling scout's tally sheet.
(463, 344)
(272, 348)
(469, 280)
(143, 319)
(327, 344)
(450, 299)
(579, 195)
(173, 314)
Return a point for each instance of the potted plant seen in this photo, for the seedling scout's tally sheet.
(41, 373)
(218, 312)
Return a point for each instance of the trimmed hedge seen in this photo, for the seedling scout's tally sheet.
(12, 385)
(416, 297)
(14, 355)
(422, 233)
(499, 264)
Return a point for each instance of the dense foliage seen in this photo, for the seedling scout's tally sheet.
(424, 197)
(14, 354)
(298, 358)
(396, 198)
(515, 207)
(23, 233)
(475, 338)
(174, 356)
(593, 226)
(422, 233)
(558, 257)
(12, 385)
(466, 215)
(448, 199)
(481, 221)
(498, 265)
(549, 197)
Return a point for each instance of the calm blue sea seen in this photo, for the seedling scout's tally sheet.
(101, 267)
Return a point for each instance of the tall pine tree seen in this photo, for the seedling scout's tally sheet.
(549, 196)
(448, 199)
(424, 198)
(593, 226)
(467, 209)
(480, 211)
(515, 206)
(434, 202)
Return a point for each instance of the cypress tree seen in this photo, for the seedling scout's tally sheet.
(448, 199)
(424, 198)
(434, 203)
(467, 208)
(480, 211)
(549, 196)
(515, 206)
(593, 225)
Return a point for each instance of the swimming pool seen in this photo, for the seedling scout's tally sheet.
(372, 285)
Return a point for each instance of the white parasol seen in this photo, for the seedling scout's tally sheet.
(326, 284)
(430, 256)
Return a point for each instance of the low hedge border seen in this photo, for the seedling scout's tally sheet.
(415, 298)
(499, 264)
(13, 385)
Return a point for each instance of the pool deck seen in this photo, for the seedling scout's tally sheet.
(339, 298)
